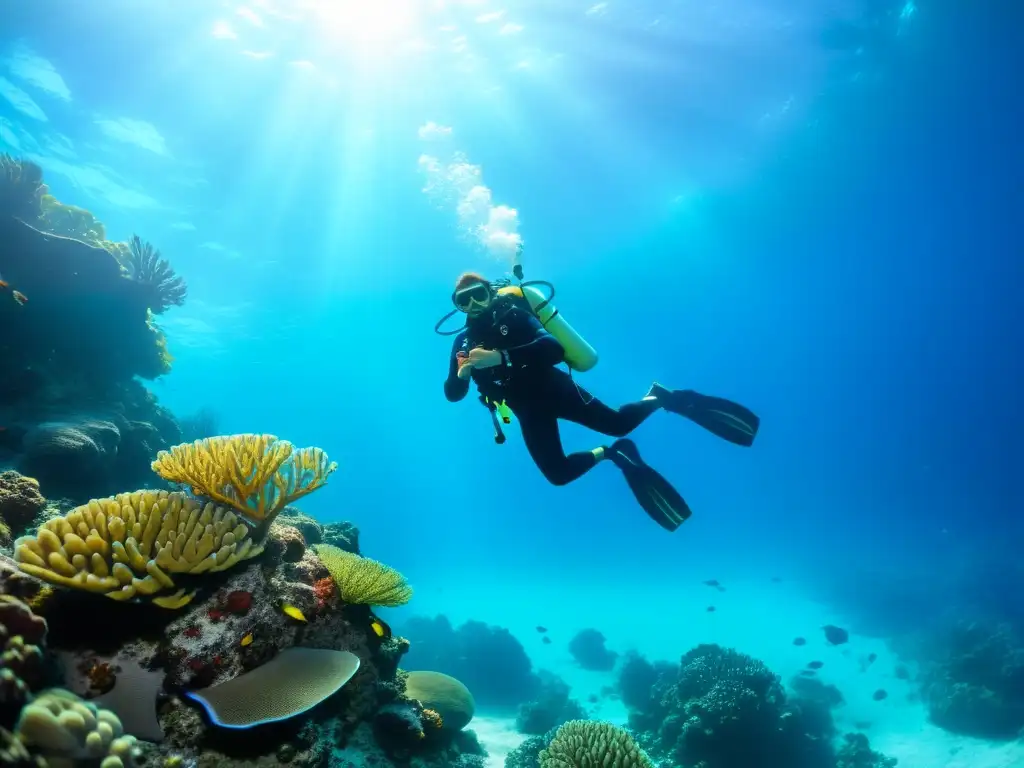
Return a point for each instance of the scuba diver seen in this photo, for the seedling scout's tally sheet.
(511, 346)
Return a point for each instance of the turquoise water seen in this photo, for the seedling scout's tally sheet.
(807, 207)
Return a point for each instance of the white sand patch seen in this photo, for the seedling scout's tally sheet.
(499, 737)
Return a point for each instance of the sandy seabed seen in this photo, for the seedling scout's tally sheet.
(758, 619)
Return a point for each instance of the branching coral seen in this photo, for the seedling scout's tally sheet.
(68, 731)
(363, 581)
(127, 546)
(146, 267)
(257, 475)
(22, 634)
(21, 189)
(589, 744)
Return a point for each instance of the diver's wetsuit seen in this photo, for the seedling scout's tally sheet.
(535, 390)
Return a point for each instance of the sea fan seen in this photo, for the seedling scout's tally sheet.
(145, 266)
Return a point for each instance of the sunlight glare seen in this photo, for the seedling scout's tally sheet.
(367, 25)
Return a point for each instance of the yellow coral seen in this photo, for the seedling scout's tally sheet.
(257, 475)
(363, 581)
(127, 546)
(587, 744)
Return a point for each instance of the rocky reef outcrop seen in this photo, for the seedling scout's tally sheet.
(79, 318)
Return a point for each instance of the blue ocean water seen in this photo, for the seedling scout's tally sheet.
(812, 208)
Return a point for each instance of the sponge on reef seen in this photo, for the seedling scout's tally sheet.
(588, 744)
(256, 475)
(293, 682)
(127, 546)
(68, 731)
(362, 581)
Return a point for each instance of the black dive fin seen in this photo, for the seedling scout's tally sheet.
(654, 493)
(730, 421)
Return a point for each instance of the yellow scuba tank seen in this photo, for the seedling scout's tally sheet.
(578, 353)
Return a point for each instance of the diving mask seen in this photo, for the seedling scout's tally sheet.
(465, 298)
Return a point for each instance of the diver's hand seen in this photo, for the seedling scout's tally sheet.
(484, 358)
(465, 371)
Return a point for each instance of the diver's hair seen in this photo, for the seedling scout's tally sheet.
(469, 278)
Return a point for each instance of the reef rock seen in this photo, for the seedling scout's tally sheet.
(20, 503)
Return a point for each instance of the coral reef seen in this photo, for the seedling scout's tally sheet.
(527, 754)
(444, 695)
(256, 475)
(83, 319)
(312, 532)
(342, 535)
(587, 648)
(72, 414)
(128, 546)
(290, 542)
(20, 501)
(67, 731)
(856, 752)
(583, 743)
(22, 635)
(21, 189)
(720, 709)
(550, 709)
(488, 660)
(362, 581)
(974, 681)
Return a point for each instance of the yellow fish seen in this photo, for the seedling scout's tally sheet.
(380, 628)
(247, 640)
(293, 612)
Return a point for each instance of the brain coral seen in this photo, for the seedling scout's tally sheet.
(444, 695)
(128, 545)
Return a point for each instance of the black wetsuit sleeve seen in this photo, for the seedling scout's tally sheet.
(455, 388)
(543, 349)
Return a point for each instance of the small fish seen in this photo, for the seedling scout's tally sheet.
(247, 640)
(546, 640)
(880, 694)
(714, 583)
(380, 628)
(20, 298)
(815, 664)
(835, 635)
(799, 641)
(541, 629)
(807, 673)
(293, 612)
(711, 609)
(872, 657)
